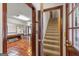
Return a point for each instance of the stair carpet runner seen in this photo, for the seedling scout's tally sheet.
(51, 43)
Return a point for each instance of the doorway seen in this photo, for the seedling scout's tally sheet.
(19, 29)
(42, 41)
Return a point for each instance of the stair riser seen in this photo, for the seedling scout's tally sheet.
(52, 43)
(52, 29)
(53, 39)
(53, 24)
(52, 34)
(48, 54)
(52, 48)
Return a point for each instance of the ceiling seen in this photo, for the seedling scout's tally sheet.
(14, 9)
(46, 5)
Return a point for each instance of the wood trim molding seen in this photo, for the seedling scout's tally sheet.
(4, 28)
(61, 30)
(52, 8)
(67, 20)
(33, 28)
(39, 33)
(31, 6)
(72, 26)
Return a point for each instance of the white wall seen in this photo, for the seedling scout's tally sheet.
(1, 28)
(13, 23)
(15, 9)
(46, 16)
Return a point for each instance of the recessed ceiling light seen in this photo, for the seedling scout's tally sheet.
(29, 23)
(22, 17)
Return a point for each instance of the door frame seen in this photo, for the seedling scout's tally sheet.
(61, 29)
(67, 24)
(4, 28)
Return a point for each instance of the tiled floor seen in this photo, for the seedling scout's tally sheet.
(19, 48)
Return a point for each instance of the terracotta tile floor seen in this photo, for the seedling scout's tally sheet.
(19, 48)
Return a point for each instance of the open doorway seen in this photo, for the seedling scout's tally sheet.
(19, 29)
(52, 41)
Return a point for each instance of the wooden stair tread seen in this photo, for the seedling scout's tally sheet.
(52, 41)
(52, 37)
(50, 52)
(54, 31)
(52, 34)
(53, 46)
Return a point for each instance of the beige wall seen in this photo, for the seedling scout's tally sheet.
(1, 28)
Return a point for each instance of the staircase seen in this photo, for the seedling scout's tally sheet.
(51, 43)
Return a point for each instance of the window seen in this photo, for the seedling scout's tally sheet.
(73, 27)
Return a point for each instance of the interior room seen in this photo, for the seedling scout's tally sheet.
(39, 29)
(19, 29)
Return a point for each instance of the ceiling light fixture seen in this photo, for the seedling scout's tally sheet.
(22, 17)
